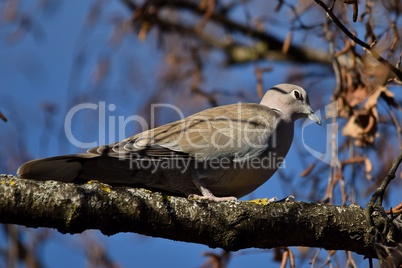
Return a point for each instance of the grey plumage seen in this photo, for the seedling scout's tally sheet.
(215, 154)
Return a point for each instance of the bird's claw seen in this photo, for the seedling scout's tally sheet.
(212, 198)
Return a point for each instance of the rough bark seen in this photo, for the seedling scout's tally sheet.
(72, 208)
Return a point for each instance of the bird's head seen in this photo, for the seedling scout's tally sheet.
(290, 101)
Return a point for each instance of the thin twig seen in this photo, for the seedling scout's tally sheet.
(397, 126)
(375, 203)
(284, 261)
(315, 258)
(379, 193)
(2, 117)
(351, 261)
(209, 7)
(368, 48)
(395, 210)
(341, 26)
(259, 73)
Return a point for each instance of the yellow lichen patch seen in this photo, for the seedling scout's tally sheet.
(92, 181)
(146, 190)
(260, 201)
(192, 197)
(5, 180)
(8, 181)
(105, 188)
(70, 215)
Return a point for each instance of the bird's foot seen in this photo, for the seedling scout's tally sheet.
(212, 198)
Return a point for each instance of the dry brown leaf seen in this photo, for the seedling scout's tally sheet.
(374, 72)
(362, 126)
(385, 94)
(373, 98)
(388, 96)
(344, 110)
(356, 96)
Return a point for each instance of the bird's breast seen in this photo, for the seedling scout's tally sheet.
(240, 178)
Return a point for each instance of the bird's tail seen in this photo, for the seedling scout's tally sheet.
(64, 168)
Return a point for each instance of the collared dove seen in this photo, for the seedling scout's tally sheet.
(220, 154)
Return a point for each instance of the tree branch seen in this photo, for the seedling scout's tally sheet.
(266, 46)
(379, 193)
(72, 208)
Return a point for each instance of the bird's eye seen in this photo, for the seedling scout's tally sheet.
(298, 95)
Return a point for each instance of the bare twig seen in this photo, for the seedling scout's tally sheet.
(395, 40)
(284, 261)
(396, 210)
(397, 126)
(209, 7)
(375, 204)
(258, 73)
(2, 117)
(315, 257)
(379, 193)
(351, 262)
(287, 254)
(368, 48)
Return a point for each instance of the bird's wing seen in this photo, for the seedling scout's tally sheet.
(236, 131)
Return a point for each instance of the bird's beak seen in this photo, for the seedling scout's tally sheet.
(314, 117)
(310, 113)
